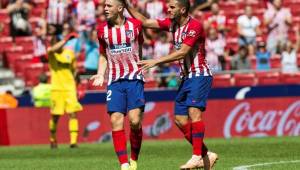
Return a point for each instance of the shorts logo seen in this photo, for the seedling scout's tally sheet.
(194, 101)
(129, 34)
(142, 100)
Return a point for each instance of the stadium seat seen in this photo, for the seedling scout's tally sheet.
(80, 66)
(298, 60)
(290, 78)
(296, 19)
(275, 61)
(150, 84)
(233, 46)
(21, 64)
(26, 43)
(253, 62)
(227, 6)
(24, 39)
(5, 43)
(32, 73)
(12, 54)
(37, 12)
(222, 80)
(268, 78)
(244, 79)
(6, 30)
(40, 3)
(3, 15)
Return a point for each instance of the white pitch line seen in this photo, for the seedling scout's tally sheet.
(245, 167)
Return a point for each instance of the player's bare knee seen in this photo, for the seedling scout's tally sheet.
(181, 120)
(195, 114)
(117, 120)
(135, 124)
(72, 116)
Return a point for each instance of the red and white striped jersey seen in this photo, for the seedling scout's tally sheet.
(121, 46)
(56, 11)
(191, 34)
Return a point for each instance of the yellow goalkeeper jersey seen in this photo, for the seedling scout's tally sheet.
(62, 66)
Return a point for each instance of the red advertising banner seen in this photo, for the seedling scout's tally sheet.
(223, 118)
(4, 140)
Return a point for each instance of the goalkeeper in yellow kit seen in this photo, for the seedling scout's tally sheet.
(63, 88)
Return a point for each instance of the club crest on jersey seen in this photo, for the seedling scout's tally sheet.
(129, 34)
(192, 33)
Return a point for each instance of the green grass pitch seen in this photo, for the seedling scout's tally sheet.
(155, 155)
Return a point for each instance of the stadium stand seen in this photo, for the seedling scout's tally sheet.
(18, 51)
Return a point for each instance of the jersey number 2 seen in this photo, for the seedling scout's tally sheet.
(108, 96)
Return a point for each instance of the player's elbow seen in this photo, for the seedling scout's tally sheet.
(183, 52)
(146, 23)
(49, 50)
(149, 23)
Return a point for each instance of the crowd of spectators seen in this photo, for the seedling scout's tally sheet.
(257, 37)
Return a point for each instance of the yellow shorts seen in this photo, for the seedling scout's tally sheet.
(64, 102)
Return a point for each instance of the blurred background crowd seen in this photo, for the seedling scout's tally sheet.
(246, 40)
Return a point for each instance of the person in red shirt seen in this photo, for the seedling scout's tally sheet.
(190, 103)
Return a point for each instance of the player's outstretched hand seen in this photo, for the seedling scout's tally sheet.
(71, 35)
(97, 80)
(146, 64)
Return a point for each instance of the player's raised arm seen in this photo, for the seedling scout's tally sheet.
(147, 23)
(57, 46)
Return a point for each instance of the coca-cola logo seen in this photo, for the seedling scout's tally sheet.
(244, 121)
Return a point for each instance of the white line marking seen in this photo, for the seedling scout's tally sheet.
(245, 167)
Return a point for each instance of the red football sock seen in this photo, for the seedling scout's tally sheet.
(187, 131)
(198, 129)
(119, 140)
(136, 137)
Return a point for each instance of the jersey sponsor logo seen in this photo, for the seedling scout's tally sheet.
(120, 48)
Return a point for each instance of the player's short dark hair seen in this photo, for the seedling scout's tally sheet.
(122, 2)
(186, 4)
